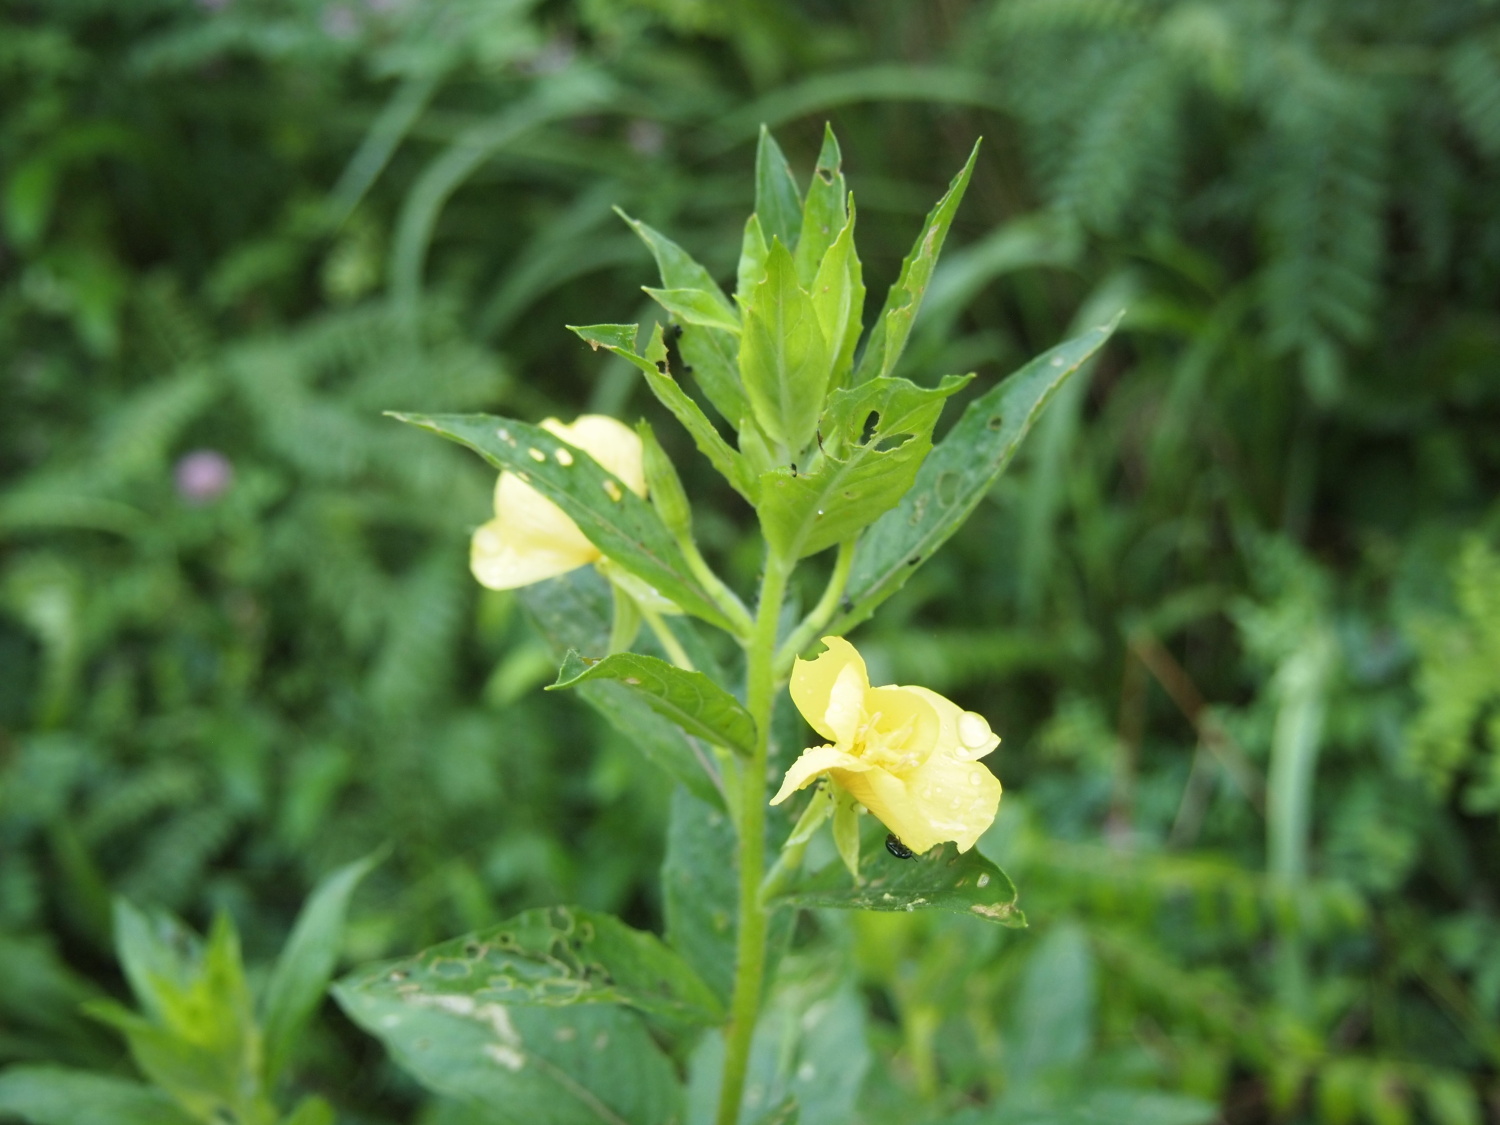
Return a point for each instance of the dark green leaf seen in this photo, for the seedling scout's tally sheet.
(592, 1064)
(724, 457)
(617, 521)
(306, 964)
(46, 1095)
(956, 476)
(942, 879)
(825, 213)
(859, 477)
(777, 203)
(888, 335)
(554, 956)
(700, 889)
(690, 699)
(784, 360)
(312, 1110)
(1053, 1015)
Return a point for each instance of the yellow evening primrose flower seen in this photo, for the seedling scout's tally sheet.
(531, 538)
(907, 754)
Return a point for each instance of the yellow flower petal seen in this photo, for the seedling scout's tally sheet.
(946, 798)
(813, 682)
(967, 731)
(612, 443)
(813, 763)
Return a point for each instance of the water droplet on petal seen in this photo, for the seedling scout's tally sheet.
(973, 730)
(976, 777)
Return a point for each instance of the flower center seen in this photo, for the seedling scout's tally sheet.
(891, 748)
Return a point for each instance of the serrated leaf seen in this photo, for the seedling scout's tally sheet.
(724, 457)
(587, 1064)
(306, 964)
(784, 360)
(777, 202)
(838, 294)
(46, 1095)
(612, 517)
(554, 956)
(858, 478)
(956, 475)
(942, 879)
(824, 214)
(690, 699)
(892, 327)
(694, 306)
(573, 612)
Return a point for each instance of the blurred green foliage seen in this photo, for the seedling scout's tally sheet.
(1234, 611)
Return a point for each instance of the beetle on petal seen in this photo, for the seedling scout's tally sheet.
(907, 754)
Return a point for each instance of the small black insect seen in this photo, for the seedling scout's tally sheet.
(674, 332)
(897, 848)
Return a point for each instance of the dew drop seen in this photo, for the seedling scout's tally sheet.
(1057, 361)
(982, 881)
(504, 435)
(563, 456)
(973, 731)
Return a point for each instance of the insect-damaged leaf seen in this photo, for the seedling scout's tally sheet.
(613, 518)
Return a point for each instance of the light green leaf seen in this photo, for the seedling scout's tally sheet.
(942, 879)
(587, 1064)
(694, 306)
(690, 699)
(784, 360)
(47, 1095)
(824, 214)
(620, 339)
(311, 1110)
(555, 956)
(1052, 1017)
(663, 485)
(956, 476)
(838, 294)
(753, 251)
(710, 352)
(888, 335)
(777, 202)
(858, 478)
(617, 521)
(306, 964)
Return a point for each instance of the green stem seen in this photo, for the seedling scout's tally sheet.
(667, 639)
(814, 623)
(750, 951)
(722, 595)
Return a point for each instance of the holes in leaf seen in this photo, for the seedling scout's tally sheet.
(867, 431)
(614, 491)
(995, 421)
(947, 488)
(536, 455)
(564, 458)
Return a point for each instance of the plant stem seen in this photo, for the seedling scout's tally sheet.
(813, 624)
(667, 639)
(750, 952)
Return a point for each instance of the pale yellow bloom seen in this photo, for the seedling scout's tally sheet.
(907, 754)
(531, 538)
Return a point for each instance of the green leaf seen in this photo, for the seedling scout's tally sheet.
(46, 1095)
(710, 352)
(587, 1064)
(825, 213)
(888, 335)
(694, 306)
(663, 485)
(690, 699)
(554, 956)
(942, 879)
(573, 612)
(859, 477)
(617, 521)
(700, 889)
(1053, 1013)
(838, 294)
(957, 475)
(784, 360)
(620, 339)
(306, 964)
(311, 1110)
(753, 251)
(777, 203)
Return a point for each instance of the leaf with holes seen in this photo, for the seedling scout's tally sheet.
(859, 476)
(690, 699)
(613, 518)
(825, 212)
(620, 339)
(942, 879)
(888, 335)
(956, 476)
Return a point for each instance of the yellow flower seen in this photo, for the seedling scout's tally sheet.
(530, 537)
(905, 753)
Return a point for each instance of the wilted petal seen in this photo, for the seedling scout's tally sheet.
(813, 682)
(814, 762)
